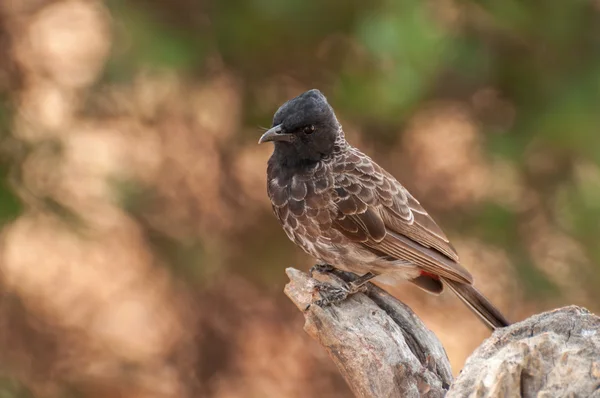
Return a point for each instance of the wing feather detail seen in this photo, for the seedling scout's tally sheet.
(376, 211)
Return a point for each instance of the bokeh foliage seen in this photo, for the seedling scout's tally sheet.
(529, 73)
(378, 61)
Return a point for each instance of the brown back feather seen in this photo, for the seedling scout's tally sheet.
(377, 211)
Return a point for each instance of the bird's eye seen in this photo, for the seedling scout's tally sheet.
(309, 129)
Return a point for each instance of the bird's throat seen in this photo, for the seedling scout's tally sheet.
(294, 158)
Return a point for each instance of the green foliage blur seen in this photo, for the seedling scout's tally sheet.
(378, 61)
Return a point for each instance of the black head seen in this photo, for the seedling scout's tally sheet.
(304, 129)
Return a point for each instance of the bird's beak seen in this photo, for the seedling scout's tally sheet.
(275, 134)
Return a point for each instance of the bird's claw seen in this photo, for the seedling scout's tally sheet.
(330, 294)
(358, 289)
(320, 268)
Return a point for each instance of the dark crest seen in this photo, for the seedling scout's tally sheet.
(304, 130)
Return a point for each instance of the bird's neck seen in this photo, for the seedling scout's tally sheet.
(285, 162)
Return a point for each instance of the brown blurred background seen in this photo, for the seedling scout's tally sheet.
(139, 255)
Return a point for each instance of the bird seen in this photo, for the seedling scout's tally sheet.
(350, 214)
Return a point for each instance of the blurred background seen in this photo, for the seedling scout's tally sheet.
(139, 256)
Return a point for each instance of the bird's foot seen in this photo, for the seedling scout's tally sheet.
(320, 268)
(332, 294)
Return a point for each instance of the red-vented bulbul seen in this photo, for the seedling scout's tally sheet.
(345, 210)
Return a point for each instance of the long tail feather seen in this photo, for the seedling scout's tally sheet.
(478, 304)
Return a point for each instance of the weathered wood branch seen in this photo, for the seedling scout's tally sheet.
(552, 354)
(383, 350)
(379, 345)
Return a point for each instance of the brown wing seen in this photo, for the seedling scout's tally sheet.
(375, 210)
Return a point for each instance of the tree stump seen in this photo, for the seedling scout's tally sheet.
(383, 349)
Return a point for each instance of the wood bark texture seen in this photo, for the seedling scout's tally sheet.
(552, 354)
(379, 345)
(383, 349)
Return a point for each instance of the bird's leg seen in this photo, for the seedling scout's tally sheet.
(320, 267)
(358, 285)
(331, 294)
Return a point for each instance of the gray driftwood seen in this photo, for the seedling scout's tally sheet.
(383, 350)
(553, 354)
(379, 345)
